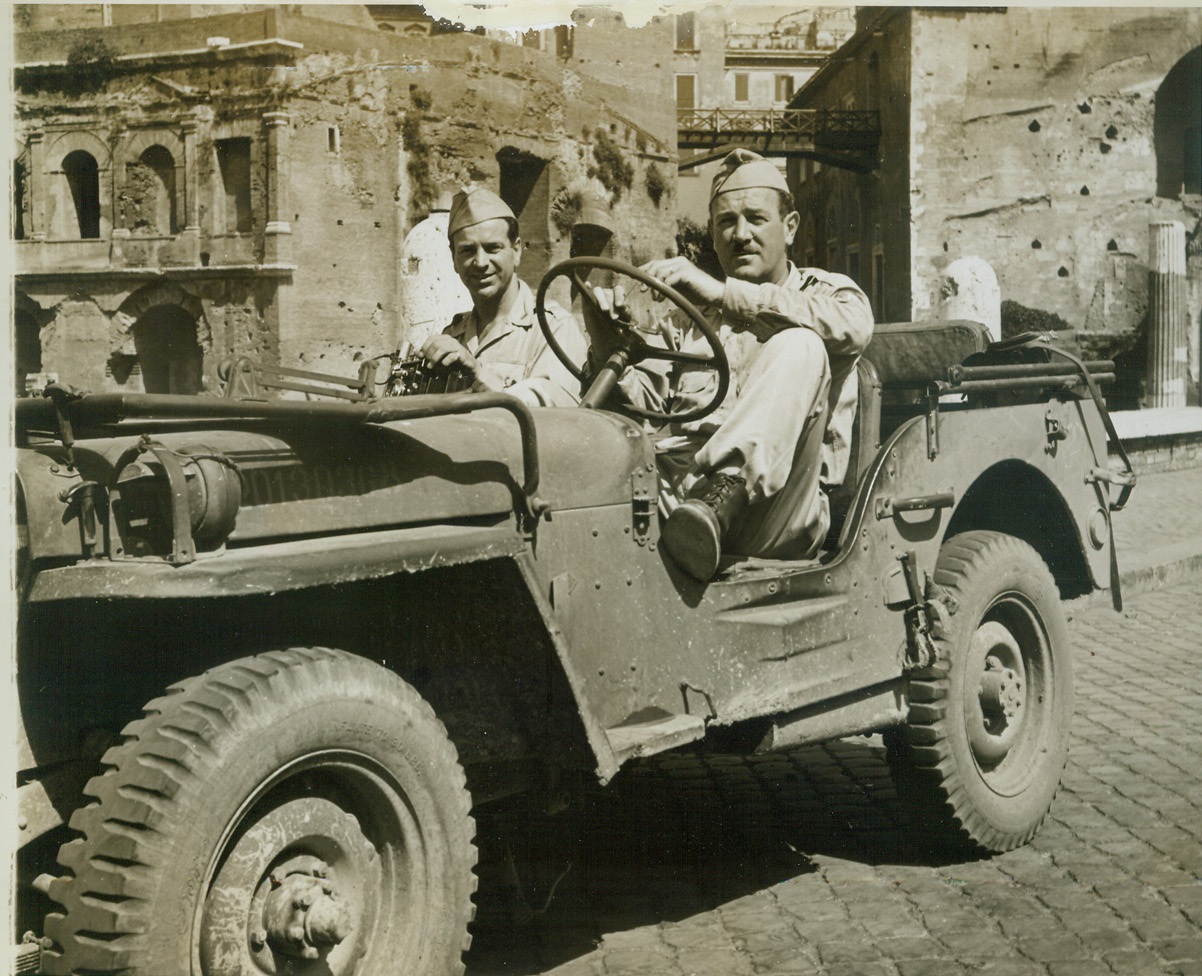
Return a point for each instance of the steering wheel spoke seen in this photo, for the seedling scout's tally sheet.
(625, 337)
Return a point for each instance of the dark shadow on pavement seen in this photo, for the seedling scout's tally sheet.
(675, 836)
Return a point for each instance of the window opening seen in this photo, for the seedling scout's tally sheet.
(686, 32)
(233, 160)
(686, 91)
(150, 185)
(742, 87)
(83, 180)
(18, 227)
(784, 88)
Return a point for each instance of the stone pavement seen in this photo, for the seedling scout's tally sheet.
(799, 863)
(1159, 532)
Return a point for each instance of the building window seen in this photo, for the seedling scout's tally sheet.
(233, 160)
(565, 40)
(1177, 129)
(742, 87)
(18, 223)
(686, 91)
(83, 180)
(686, 32)
(333, 140)
(784, 88)
(853, 264)
(149, 193)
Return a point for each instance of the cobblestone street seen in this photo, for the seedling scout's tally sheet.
(799, 864)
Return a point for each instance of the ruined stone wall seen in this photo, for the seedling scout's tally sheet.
(369, 128)
(859, 223)
(1033, 149)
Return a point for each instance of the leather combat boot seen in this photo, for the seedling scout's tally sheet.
(693, 533)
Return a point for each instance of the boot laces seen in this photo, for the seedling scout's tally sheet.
(721, 488)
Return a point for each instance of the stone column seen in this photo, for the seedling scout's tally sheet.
(277, 247)
(191, 179)
(1168, 355)
(37, 188)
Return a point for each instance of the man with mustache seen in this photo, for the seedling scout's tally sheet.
(750, 479)
(499, 342)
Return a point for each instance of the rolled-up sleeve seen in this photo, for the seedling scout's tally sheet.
(833, 306)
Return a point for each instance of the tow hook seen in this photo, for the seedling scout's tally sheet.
(303, 915)
(920, 646)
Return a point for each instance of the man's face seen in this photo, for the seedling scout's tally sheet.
(750, 236)
(485, 258)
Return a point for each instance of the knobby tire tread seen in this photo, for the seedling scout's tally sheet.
(110, 865)
(919, 754)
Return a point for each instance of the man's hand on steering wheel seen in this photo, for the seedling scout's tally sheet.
(688, 279)
(617, 344)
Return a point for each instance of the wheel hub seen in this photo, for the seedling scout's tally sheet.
(303, 914)
(998, 711)
(1001, 691)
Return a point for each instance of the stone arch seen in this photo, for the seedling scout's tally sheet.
(168, 351)
(152, 160)
(1177, 129)
(28, 319)
(78, 171)
(158, 293)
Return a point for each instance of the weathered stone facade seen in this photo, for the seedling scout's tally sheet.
(242, 185)
(1044, 140)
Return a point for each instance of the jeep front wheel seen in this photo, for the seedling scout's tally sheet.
(988, 729)
(298, 811)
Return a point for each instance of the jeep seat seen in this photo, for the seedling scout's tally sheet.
(893, 373)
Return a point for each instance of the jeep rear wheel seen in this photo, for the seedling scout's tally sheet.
(988, 730)
(299, 811)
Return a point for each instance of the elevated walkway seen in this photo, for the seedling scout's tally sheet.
(845, 139)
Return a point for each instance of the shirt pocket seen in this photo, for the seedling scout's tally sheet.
(503, 374)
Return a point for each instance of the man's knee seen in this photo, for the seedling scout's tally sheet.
(796, 356)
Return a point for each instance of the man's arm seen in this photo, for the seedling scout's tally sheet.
(548, 382)
(831, 305)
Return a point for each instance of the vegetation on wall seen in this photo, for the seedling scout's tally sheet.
(693, 242)
(90, 64)
(565, 210)
(657, 184)
(422, 191)
(610, 167)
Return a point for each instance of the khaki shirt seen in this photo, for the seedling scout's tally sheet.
(515, 358)
(830, 304)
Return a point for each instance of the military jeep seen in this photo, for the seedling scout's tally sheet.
(275, 646)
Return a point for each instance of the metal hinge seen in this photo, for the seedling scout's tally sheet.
(643, 501)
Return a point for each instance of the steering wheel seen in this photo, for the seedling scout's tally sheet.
(629, 346)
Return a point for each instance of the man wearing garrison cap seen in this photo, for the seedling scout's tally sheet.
(750, 478)
(499, 341)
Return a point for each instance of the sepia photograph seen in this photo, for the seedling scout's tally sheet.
(648, 489)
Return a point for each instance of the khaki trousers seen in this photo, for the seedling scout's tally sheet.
(773, 437)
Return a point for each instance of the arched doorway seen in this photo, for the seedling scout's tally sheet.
(1177, 130)
(27, 348)
(83, 180)
(168, 350)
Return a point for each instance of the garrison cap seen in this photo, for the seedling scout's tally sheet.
(471, 207)
(743, 169)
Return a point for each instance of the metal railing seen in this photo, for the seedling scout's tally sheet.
(807, 123)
